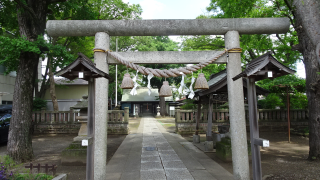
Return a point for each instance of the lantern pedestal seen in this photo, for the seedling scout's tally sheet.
(158, 111)
(196, 138)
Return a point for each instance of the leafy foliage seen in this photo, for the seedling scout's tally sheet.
(10, 170)
(278, 87)
(39, 103)
(188, 104)
(255, 45)
(272, 101)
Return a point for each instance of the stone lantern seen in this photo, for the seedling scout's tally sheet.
(137, 112)
(158, 111)
(82, 117)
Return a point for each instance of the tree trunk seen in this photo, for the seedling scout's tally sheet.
(32, 21)
(52, 88)
(312, 78)
(163, 110)
(44, 85)
(20, 143)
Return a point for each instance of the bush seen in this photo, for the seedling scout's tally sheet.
(271, 102)
(9, 170)
(39, 103)
(189, 104)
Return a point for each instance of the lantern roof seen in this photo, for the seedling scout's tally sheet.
(218, 85)
(261, 66)
(82, 65)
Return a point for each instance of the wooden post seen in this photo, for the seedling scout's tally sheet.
(254, 129)
(198, 116)
(288, 108)
(90, 128)
(209, 127)
(177, 109)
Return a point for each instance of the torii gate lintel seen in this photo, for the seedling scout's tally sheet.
(231, 28)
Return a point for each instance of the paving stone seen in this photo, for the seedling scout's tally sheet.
(163, 145)
(145, 150)
(150, 159)
(173, 165)
(201, 174)
(165, 148)
(167, 152)
(169, 157)
(149, 145)
(175, 174)
(149, 153)
(151, 165)
(152, 174)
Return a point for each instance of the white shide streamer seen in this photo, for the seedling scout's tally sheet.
(133, 91)
(181, 84)
(149, 86)
(191, 95)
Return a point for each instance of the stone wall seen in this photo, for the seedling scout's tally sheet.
(61, 122)
(269, 120)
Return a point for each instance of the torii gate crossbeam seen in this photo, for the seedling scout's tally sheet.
(231, 28)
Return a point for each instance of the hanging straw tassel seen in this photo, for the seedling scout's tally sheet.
(165, 90)
(201, 82)
(127, 82)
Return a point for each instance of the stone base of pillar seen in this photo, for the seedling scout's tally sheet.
(80, 138)
(196, 138)
(208, 146)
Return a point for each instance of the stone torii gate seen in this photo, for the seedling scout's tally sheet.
(230, 28)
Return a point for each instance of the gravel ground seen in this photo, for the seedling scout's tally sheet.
(281, 161)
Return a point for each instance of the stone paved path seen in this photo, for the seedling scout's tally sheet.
(158, 159)
(153, 153)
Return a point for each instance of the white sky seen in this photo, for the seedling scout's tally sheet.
(181, 9)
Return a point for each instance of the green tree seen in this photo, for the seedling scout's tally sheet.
(278, 97)
(22, 43)
(302, 42)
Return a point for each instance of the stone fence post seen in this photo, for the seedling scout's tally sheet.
(43, 115)
(177, 117)
(71, 117)
(126, 114)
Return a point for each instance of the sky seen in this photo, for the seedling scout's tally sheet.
(181, 9)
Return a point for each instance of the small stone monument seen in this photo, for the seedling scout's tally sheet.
(82, 117)
(158, 111)
(137, 112)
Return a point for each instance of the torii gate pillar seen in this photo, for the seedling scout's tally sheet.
(236, 110)
(102, 43)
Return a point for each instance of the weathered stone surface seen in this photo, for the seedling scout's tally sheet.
(168, 57)
(223, 149)
(101, 106)
(196, 138)
(236, 110)
(167, 27)
(74, 155)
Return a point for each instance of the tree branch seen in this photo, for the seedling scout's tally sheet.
(252, 55)
(30, 10)
(281, 40)
(55, 1)
(297, 47)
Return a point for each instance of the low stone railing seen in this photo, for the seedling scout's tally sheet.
(118, 121)
(67, 121)
(269, 119)
(55, 122)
